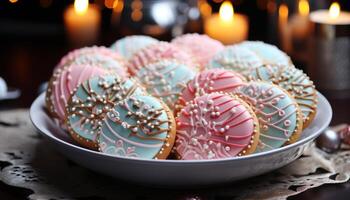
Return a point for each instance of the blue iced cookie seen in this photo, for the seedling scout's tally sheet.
(280, 118)
(91, 101)
(235, 58)
(129, 45)
(270, 54)
(140, 127)
(295, 82)
(165, 79)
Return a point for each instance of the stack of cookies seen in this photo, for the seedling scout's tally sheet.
(192, 98)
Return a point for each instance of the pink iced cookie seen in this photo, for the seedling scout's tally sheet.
(202, 47)
(158, 51)
(216, 126)
(62, 84)
(93, 55)
(208, 81)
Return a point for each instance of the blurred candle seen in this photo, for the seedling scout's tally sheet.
(227, 26)
(300, 24)
(82, 22)
(330, 43)
(284, 30)
(333, 16)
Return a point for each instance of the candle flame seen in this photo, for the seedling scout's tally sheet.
(303, 7)
(81, 6)
(226, 11)
(283, 11)
(334, 10)
(118, 6)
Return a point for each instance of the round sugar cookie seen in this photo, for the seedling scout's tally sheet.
(201, 47)
(90, 103)
(216, 126)
(62, 84)
(159, 51)
(128, 46)
(165, 79)
(235, 58)
(140, 127)
(93, 55)
(270, 54)
(209, 81)
(297, 83)
(280, 118)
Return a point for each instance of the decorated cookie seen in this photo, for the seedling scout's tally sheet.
(216, 126)
(91, 101)
(202, 47)
(295, 82)
(165, 79)
(62, 84)
(280, 117)
(235, 58)
(140, 127)
(209, 81)
(156, 52)
(128, 46)
(270, 54)
(94, 56)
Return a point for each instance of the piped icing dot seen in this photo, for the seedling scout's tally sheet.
(128, 46)
(222, 81)
(165, 79)
(224, 136)
(235, 58)
(158, 51)
(201, 47)
(146, 129)
(287, 123)
(91, 102)
(274, 115)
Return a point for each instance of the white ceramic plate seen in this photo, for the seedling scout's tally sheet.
(178, 172)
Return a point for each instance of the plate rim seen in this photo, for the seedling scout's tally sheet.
(38, 103)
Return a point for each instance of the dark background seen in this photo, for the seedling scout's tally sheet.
(33, 39)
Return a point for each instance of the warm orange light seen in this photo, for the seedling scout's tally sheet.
(334, 10)
(81, 6)
(204, 8)
(110, 3)
(283, 11)
(136, 5)
(115, 4)
(303, 7)
(226, 11)
(118, 6)
(13, 1)
(136, 15)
